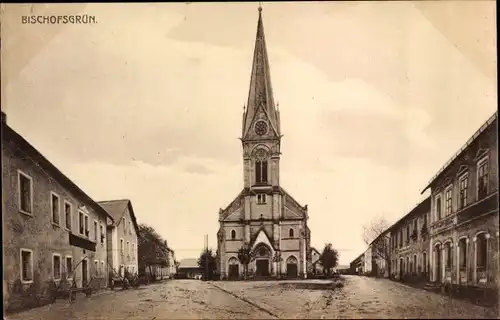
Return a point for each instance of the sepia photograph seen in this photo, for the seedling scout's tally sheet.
(250, 160)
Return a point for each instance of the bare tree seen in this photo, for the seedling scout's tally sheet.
(375, 235)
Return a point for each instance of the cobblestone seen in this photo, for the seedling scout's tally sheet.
(357, 297)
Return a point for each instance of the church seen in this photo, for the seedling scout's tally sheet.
(263, 216)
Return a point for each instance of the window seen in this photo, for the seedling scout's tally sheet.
(67, 214)
(407, 233)
(261, 172)
(463, 191)
(130, 227)
(54, 205)
(481, 251)
(448, 198)
(438, 208)
(56, 266)
(233, 234)
(25, 192)
(482, 179)
(124, 224)
(261, 199)
(96, 231)
(81, 222)
(96, 267)
(462, 247)
(400, 238)
(290, 233)
(26, 265)
(121, 246)
(102, 234)
(424, 261)
(103, 269)
(69, 267)
(133, 250)
(128, 248)
(449, 255)
(87, 231)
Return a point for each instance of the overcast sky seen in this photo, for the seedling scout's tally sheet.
(147, 104)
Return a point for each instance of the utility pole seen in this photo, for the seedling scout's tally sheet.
(206, 257)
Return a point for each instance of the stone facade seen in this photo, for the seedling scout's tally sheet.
(464, 216)
(263, 216)
(50, 237)
(409, 243)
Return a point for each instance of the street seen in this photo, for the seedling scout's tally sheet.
(360, 297)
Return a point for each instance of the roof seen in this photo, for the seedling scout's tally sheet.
(422, 207)
(117, 208)
(261, 91)
(189, 263)
(9, 134)
(487, 124)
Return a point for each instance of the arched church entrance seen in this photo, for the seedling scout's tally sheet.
(233, 272)
(291, 267)
(262, 260)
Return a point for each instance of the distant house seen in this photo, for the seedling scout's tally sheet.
(122, 237)
(160, 272)
(316, 267)
(189, 269)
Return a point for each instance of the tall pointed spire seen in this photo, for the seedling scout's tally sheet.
(261, 91)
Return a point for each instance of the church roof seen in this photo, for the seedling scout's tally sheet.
(261, 91)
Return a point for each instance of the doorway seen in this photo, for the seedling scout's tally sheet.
(262, 267)
(84, 273)
(291, 270)
(233, 271)
(438, 263)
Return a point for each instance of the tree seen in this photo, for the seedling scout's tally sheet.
(152, 249)
(245, 256)
(208, 263)
(376, 237)
(329, 258)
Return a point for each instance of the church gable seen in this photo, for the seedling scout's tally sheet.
(261, 127)
(261, 237)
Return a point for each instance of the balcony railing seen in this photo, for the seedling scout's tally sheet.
(488, 204)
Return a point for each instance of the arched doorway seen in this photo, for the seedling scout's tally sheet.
(291, 267)
(262, 260)
(438, 261)
(233, 268)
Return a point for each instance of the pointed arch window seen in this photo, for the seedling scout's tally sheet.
(233, 234)
(261, 171)
(290, 233)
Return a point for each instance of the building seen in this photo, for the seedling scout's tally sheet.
(122, 238)
(54, 233)
(357, 265)
(409, 244)
(367, 261)
(263, 216)
(315, 264)
(162, 271)
(464, 214)
(380, 255)
(189, 269)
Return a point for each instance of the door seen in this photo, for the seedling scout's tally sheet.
(84, 273)
(401, 267)
(262, 267)
(438, 265)
(233, 271)
(291, 270)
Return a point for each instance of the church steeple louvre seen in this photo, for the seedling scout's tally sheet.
(260, 95)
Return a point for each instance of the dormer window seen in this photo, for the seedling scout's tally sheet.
(261, 199)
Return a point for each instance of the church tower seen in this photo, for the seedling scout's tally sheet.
(261, 135)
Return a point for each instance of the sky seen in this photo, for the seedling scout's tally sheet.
(147, 104)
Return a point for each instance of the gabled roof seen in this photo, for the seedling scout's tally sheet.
(10, 135)
(421, 208)
(485, 126)
(117, 209)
